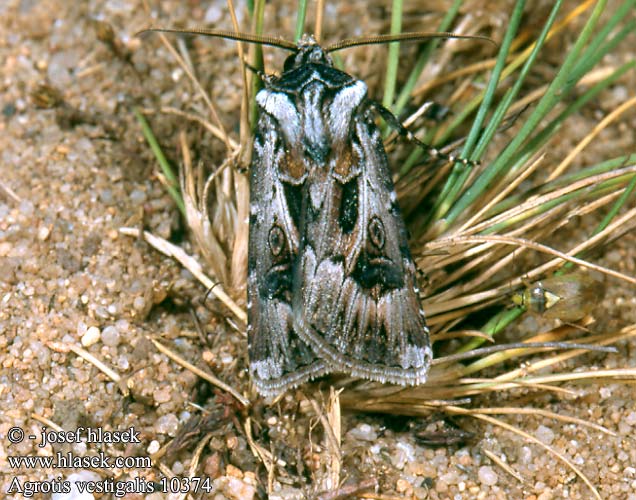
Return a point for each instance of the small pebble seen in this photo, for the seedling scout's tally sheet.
(487, 475)
(213, 14)
(235, 488)
(546, 495)
(163, 394)
(363, 432)
(91, 336)
(545, 434)
(43, 233)
(153, 447)
(110, 336)
(167, 424)
(139, 303)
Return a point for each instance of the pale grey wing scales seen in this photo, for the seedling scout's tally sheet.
(279, 359)
(356, 302)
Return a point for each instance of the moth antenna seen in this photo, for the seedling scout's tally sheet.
(416, 36)
(435, 153)
(229, 35)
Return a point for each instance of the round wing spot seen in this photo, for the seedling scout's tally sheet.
(276, 240)
(377, 234)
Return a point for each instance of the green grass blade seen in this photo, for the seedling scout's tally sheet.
(257, 59)
(394, 55)
(599, 46)
(422, 59)
(620, 203)
(545, 105)
(171, 178)
(503, 107)
(494, 325)
(300, 19)
(459, 174)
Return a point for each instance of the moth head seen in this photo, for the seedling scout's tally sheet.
(308, 52)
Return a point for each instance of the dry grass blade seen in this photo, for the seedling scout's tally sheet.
(350, 491)
(544, 413)
(191, 265)
(268, 460)
(602, 125)
(529, 169)
(521, 242)
(203, 374)
(100, 365)
(223, 134)
(214, 130)
(449, 380)
(197, 214)
(503, 465)
(10, 193)
(194, 463)
(529, 437)
(46, 421)
(330, 420)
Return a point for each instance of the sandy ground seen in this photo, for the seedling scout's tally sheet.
(72, 175)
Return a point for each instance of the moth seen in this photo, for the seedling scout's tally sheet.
(331, 282)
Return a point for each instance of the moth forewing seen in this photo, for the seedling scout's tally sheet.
(279, 359)
(354, 295)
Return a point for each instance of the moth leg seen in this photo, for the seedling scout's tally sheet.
(434, 111)
(394, 123)
(264, 77)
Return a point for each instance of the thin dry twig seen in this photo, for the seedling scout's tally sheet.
(10, 193)
(503, 465)
(223, 133)
(332, 427)
(100, 365)
(201, 373)
(603, 124)
(191, 264)
(522, 242)
(349, 491)
(529, 437)
(47, 422)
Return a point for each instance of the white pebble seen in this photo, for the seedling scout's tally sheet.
(153, 447)
(363, 432)
(213, 14)
(91, 336)
(545, 434)
(487, 475)
(110, 336)
(43, 233)
(139, 303)
(168, 424)
(74, 494)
